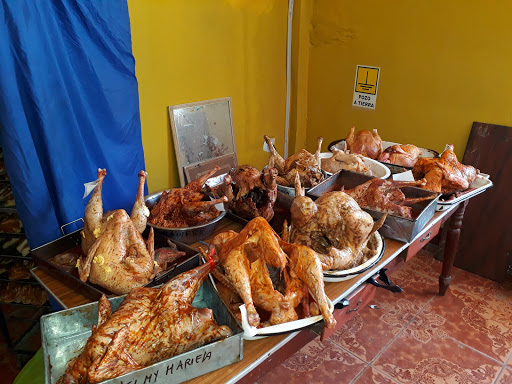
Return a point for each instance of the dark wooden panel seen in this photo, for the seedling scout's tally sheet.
(485, 246)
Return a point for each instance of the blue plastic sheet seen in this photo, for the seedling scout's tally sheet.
(68, 106)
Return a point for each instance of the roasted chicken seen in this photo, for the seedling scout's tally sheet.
(250, 193)
(149, 326)
(303, 163)
(334, 226)
(405, 155)
(445, 174)
(116, 256)
(386, 196)
(364, 142)
(250, 258)
(183, 207)
(343, 160)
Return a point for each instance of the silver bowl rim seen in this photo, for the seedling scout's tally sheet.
(156, 194)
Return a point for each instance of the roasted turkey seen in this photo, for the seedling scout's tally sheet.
(116, 256)
(334, 226)
(248, 258)
(183, 207)
(386, 196)
(405, 155)
(364, 142)
(250, 193)
(303, 163)
(344, 160)
(445, 174)
(149, 326)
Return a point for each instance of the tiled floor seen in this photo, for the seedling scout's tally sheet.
(415, 337)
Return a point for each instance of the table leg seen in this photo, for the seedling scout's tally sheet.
(451, 247)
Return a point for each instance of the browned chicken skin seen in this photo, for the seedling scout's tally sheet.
(182, 207)
(245, 258)
(303, 163)
(386, 196)
(364, 142)
(116, 256)
(445, 174)
(334, 226)
(250, 193)
(149, 326)
(405, 155)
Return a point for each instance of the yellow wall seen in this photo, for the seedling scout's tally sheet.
(193, 50)
(444, 64)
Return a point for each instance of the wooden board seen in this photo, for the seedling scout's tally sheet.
(485, 246)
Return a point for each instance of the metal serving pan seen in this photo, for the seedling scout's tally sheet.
(186, 235)
(65, 333)
(395, 227)
(71, 243)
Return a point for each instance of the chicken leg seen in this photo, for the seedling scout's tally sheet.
(139, 210)
(93, 214)
(275, 158)
(197, 184)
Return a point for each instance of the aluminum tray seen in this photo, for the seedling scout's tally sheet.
(395, 227)
(65, 333)
(479, 185)
(71, 243)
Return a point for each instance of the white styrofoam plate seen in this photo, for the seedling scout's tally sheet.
(253, 333)
(479, 185)
(378, 169)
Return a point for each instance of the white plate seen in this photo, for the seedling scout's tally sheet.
(378, 169)
(253, 333)
(346, 274)
(479, 185)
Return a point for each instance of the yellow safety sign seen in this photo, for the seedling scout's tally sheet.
(367, 79)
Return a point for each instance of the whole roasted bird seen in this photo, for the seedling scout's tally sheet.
(335, 227)
(405, 155)
(149, 326)
(116, 256)
(183, 207)
(250, 193)
(344, 160)
(303, 163)
(364, 142)
(445, 174)
(247, 259)
(386, 196)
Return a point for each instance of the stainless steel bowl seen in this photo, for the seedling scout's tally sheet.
(186, 235)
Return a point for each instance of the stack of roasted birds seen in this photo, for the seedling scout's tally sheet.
(115, 255)
(302, 163)
(183, 207)
(249, 192)
(150, 325)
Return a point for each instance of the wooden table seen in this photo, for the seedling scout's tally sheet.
(256, 352)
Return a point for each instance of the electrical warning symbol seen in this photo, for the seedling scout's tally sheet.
(367, 79)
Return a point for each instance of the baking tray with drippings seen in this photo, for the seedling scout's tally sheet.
(65, 333)
(71, 243)
(395, 227)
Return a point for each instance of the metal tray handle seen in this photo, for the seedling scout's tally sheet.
(71, 222)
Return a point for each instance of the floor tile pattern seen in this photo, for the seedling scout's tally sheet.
(416, 337)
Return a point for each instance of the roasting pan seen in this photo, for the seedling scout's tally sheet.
(71, 243)
(395, 227)
(65, 333)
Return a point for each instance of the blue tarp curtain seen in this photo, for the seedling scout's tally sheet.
(68, 106)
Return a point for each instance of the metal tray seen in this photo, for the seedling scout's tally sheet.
(71, 243)
(395, 227)
(186, 235)
(479, 185)
(65, 333)
(394, 168)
